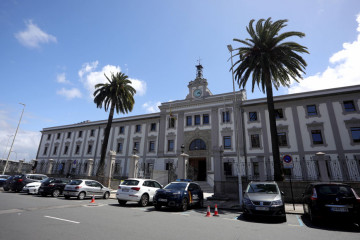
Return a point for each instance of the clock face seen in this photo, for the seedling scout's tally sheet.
(197, 93)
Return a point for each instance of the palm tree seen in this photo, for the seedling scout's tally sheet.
(270, 62)
(117, 94)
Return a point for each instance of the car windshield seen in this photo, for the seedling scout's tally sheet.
(326, 190)
(262, 188)
(47, 180)
(176, 186)
(75, 182)
(130, 182)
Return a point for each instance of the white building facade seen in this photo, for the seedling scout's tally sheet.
(319, 131)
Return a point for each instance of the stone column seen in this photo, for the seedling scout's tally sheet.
(49, 166)
(320, 157)
(182, 166)
(108, 167)
(20, 165)
(260, 160)
(89, 167)
(218, 172)
(34, 164)
(133, 166)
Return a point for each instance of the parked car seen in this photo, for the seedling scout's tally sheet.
(137, 190)
(264, 199)
(21, 180)
(179, 194)
(82, 188)
(331, 200)
(8, 183)
(53, 186)
(32, 188)
(3, 179)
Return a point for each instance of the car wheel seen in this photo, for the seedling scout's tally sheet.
(55, 193)
(122, 202)
(184, 205)
(81, 196)
(6, 189)
(157, 206)
(144, 200)
(106, 195)
(67, 197)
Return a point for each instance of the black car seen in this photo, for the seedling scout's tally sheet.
(8, 183)
(53, 186)
(180, 194)
(3, 179)
(20, 181)
(331, 200)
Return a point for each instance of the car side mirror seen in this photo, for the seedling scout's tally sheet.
(282, 193)
(161, 186)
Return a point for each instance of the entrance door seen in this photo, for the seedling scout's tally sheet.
(197, 169)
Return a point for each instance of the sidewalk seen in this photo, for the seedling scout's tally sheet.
(234, 205)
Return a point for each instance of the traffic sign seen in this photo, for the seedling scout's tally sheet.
(287, 161)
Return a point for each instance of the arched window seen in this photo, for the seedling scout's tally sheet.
(197, 144)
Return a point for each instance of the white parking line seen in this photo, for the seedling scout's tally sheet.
(61, 219)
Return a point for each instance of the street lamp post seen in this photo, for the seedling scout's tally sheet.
(236, 129)
(7, 145)
(7, 160)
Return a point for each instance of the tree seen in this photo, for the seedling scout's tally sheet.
(117, 94)
(270, 62)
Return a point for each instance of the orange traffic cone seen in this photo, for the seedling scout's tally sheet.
(216, 213)
(208, 214)
(93, 199)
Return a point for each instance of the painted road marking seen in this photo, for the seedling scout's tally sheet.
(300, 221)
(182, 214)
(61, 219)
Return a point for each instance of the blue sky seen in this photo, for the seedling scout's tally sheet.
(53, 52)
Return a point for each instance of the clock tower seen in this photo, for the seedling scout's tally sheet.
(198, 88)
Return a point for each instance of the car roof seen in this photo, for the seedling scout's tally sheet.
(269, 182)
(140, 179)
(329, 183)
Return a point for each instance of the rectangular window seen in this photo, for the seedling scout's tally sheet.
(121, 130)
(188, 120)
(80, 134)
(227, 142)
(66, 149)
(153, 127)
(58, 136)
(92, 132)
(138, 128)
(349, 106)
(255, 140)
(317, 137)
(77, 149)
(205, 119)
(197, 120)
(253, 116)
(171, 122)
(151, 146)
(228, 169)
(45, 150)
(69, 135)
(226, 116)
(55, 150)
(89, 149)
(137, 146)
(170, 145)
(279, 113)
(256, 169)
(168, 166)
(311, 110)
(355, 134)
(48, 136)
(282, 139)
(119, 147)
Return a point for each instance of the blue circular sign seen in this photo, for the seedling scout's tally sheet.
(287, 158)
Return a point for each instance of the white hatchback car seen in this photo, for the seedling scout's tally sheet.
(137, 190)
(32, 188)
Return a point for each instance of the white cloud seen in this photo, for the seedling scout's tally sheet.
(90, 77)
(151, 107)
(33, 36)
(343, 71)
(61, 78)
(69, 93)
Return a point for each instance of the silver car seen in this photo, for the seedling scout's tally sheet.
(82, 188)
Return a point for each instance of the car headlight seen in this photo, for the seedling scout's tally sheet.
(247, 201)
(277, 203)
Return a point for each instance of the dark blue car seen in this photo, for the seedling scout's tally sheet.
(3, 179)
(181, 194)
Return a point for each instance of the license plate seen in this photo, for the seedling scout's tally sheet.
(65, 192)
(125, 190)
(262, 208)
(162, 200)
(339, 209)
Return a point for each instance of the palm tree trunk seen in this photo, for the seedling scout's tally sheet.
(278, 171)
(100, 170)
